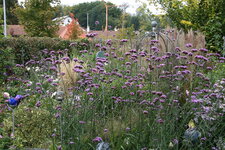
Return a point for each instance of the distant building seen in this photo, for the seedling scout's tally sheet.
(63, 21)
(63, 32)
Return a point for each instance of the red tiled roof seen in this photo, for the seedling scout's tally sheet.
(62, 31)
(15, 30)
(18, 30)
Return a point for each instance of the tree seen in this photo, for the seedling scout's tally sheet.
(207, 16)
(37, 17)
(132, 20)
(145, 17)
(96, 11)
(10, 5)
(62, 10)
(74, 30)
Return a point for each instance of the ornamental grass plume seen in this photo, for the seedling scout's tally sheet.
(68, 77)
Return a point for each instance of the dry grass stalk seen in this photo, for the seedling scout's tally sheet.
(69, 79)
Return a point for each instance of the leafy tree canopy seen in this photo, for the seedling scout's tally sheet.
(96, 11)
(37, 17)
(207, 16)
(10, 5)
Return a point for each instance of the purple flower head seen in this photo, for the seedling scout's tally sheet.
(103, 48)
(72, 44)
(96, 22)
(97, 139)
(91, 35)
(155, 49)
(78, 66)
(98, 45)
(67, 59)
(90, 93)
(38, 104)
(154, 41)
(53, 68)
(133, 51)
(109, 42)
(82, 122)
(185, 52)
(127, 129)
(124, 40)
(201, 57)
(75, 59)
(105, 130)
(194, 50)
(189, 45)
(175, 141)
(177, 49)
(203, 50)
(145, 112)
(132, 93)
(59, 147)
(19, 97)
(71, 142)
(57, 115)
(160, 121)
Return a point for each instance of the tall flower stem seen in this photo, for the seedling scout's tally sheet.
(13, 122)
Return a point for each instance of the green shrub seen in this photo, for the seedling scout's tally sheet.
(33, 126)
(26, 47)
(6, 63)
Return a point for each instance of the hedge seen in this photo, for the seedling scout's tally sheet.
(26, 47)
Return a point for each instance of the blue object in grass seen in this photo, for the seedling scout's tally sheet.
(14, 101)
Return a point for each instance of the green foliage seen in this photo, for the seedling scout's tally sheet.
(37, 17)
(96, 12)
(34, 127)
(5, 143)
(217, 73)
(6, 63)
(10, 5)
(145, 17)
(126, 33)
(204, 15)
(132, 20)
(213, 30)
(24, 48)
(20, 50)
(62, 10)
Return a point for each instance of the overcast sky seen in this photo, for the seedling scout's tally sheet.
(133, 5)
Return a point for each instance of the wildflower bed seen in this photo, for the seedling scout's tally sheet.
(122, 98)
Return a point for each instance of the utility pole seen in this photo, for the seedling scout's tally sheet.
(4, 9)
(88, 28)
(107, 13)
(106, 16)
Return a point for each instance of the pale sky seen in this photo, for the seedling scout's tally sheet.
(133, 5)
